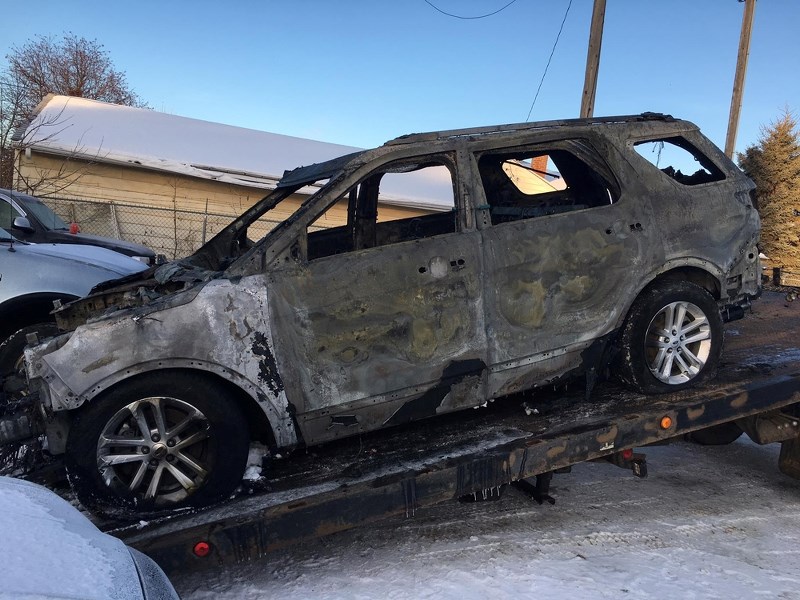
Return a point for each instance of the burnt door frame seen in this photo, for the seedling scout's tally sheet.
(382, 335)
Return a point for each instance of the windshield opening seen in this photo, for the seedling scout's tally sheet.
(254, 226)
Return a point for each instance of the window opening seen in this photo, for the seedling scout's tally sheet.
(679, 160)
(401, 202)
(529, 184)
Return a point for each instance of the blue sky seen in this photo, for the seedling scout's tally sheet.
(359, 72)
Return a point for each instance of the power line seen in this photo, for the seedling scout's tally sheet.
(547, 66)
(432, 5)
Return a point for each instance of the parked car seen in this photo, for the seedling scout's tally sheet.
(53, 551)
(31, 220)
(33, 276)
(563, 248)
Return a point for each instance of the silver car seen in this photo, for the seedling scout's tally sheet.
(50, 550)
(33, 276)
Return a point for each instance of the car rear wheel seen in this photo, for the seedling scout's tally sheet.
(158, 442)
(672, 338)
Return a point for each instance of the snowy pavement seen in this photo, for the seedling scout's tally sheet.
(709, 522)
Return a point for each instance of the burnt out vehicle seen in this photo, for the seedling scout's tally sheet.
(562, 248)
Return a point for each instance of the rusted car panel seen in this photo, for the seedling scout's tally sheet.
(551, 255)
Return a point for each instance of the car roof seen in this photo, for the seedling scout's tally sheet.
(326, 169)
(18, 195)
(513, 128)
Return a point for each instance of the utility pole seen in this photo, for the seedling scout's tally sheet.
(738, 80)
(593, 58)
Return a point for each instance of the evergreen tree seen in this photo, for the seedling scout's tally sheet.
(774, 164)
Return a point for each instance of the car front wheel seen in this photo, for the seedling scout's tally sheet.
(158, 442)
(672, 338)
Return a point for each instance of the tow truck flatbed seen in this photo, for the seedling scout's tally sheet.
(355, 481)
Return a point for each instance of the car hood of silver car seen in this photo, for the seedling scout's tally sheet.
(53, 551)
(114, 262)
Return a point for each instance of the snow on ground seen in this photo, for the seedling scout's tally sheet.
(709, 522)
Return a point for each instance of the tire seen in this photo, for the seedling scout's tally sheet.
(194, 456)
(654, 358)
(719, 435)
(11, 350)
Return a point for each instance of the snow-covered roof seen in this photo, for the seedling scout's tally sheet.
(124, 134)
(116, 134)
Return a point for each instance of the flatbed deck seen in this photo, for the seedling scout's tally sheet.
(350, 482)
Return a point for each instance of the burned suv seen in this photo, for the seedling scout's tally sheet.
(558, 249)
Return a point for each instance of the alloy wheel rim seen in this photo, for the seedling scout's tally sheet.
(678, 343)
(155, 450)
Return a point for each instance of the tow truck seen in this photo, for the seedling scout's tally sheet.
(521, 440)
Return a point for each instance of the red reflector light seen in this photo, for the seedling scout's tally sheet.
(74, 228)
(627, 454)
(202, 549)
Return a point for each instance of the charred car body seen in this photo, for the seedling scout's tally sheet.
(565, 247)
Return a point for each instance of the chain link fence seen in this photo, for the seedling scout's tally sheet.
(175, 233)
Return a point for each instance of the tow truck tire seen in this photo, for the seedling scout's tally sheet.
(12, 347)
(718, 435)
(155, 443)
(671, 339)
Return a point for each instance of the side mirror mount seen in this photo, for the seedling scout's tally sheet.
(22, 224)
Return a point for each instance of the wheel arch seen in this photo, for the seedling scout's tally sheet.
(263, 418)
(703, 277)
(29, 309)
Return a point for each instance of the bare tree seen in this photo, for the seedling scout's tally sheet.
(70, 66)
(11, 111)
(49, 179)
